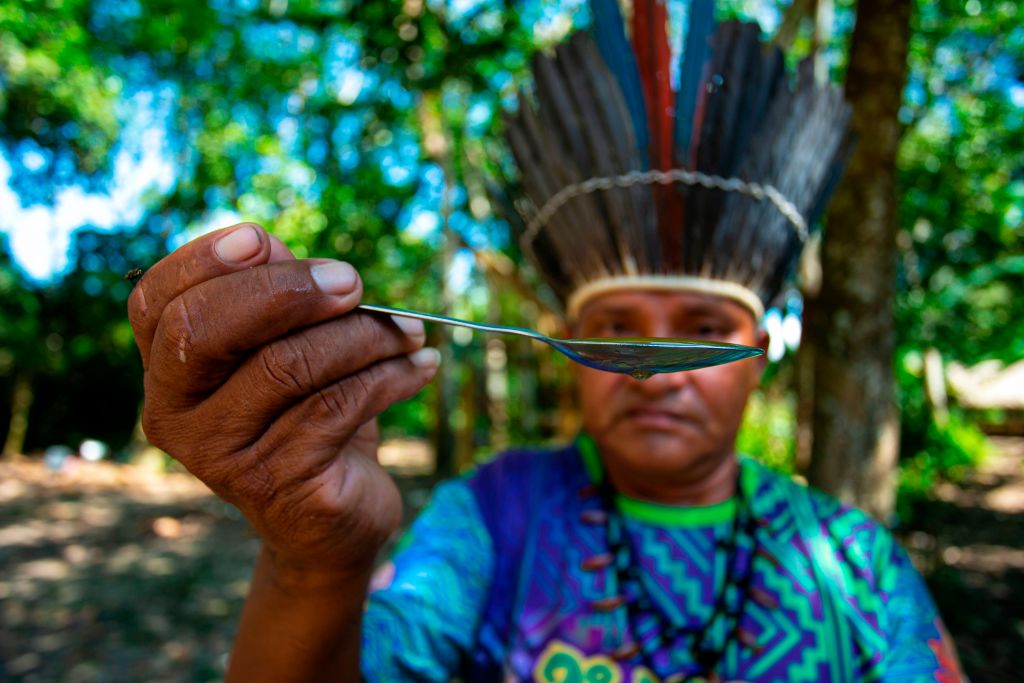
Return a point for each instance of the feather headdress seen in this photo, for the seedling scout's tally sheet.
(710, 187)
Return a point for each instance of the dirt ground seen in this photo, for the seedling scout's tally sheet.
(115, 573)
(969, 543)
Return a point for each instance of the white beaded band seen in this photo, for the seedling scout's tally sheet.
(675, 175)
(665, 283)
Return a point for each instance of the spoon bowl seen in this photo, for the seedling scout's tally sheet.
(639, 358)
(643, 357)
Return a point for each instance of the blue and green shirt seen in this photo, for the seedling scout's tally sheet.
(490, 584)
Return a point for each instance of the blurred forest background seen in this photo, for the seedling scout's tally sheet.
(369, 131)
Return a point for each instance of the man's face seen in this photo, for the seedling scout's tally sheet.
(677, 422)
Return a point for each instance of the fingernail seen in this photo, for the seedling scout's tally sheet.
(427, 358)
(336, 277)
(411, 327)
(239, 245)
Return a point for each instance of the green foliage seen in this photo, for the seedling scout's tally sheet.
(933, 449)
(74, 339)
(948, 450)
(53, 91)
(347, 127)
(962, 213)
(768, 432)
(19, 318)
(962, 208)
(335, 124)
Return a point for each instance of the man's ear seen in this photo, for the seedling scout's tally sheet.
(763, 339)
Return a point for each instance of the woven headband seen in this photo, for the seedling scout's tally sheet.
(676, 175)
(665, 283)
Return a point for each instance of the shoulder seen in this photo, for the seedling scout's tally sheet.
(516, 486)
(513, 472)
(775, 489)
(861, 539)
(527, 458)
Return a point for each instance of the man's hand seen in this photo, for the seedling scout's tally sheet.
(263, 382)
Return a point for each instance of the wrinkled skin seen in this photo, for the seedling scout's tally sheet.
(669, 438)
(266, 385)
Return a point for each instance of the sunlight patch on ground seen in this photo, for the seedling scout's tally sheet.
(408, 457)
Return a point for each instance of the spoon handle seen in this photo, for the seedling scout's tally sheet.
(445, 320)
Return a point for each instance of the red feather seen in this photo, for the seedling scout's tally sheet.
(650, 43)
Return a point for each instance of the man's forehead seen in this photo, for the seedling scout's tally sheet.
(636, 301)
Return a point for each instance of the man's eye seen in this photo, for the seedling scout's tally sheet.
(616, 329)
(708, 331)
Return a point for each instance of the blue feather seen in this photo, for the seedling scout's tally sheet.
(610, 35)
(697, 49)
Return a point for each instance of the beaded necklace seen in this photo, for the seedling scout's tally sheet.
(729, 605)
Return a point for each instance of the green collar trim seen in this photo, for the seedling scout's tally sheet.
(659, 513)
(591, 458)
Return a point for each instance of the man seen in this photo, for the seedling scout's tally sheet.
(647, 550)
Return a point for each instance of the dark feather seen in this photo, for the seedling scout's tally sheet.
(735, 116)
(590, 117)
(609, 32)
(694, 57)
(650, 41)
(640, 221)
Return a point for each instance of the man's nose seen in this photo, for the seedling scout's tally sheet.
(661, 382)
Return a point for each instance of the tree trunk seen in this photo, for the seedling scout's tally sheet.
(465, 415)
(794, 15)
(496, 385)
(21, 404)
(855, 417)
(437, 142)
(447, 392)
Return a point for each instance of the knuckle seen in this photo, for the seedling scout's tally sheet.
(159, 420)
(286, 364)
(369, 392)
(375, 337)
(281, 284)
(349, 397)
(269, 278)
(255, 480)
(192, 442)
(160, 425)
(184, 326)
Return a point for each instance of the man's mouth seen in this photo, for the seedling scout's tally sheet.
(656, 418)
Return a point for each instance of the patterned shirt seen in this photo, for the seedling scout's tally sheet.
(491, 584)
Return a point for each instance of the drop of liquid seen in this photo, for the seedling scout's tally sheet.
(640, 374)
(715, 83)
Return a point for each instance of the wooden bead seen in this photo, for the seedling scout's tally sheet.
(748, 640)
(594, 517)
(608, 604)
(761, 552)
(763, 598)
(596, 562)
(626, 651)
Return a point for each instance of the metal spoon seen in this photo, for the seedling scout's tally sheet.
(640, 358)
